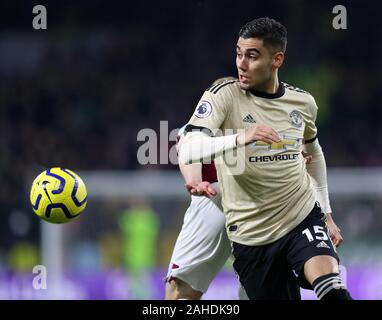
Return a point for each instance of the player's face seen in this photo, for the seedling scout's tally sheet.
(256, 65)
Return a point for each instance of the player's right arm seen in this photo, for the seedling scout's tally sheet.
(260, 131)
(200, 144)
(192, 175)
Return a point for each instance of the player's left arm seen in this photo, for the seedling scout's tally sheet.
(316, 168)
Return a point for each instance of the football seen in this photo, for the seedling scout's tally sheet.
(58, 195)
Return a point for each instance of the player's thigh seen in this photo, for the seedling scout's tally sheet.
(202, 247)
(177, 289)
(203, 225)
(203, 232)
(311, 252)
(211, 219)
(264, 273)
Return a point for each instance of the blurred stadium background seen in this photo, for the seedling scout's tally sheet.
(77, 94)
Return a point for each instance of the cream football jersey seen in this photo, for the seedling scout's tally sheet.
(272, 192)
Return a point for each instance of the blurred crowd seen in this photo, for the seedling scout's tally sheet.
(77, 94)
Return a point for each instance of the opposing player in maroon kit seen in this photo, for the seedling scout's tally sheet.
(202, 247)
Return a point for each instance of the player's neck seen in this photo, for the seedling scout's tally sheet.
(272, 89)
(271, 86)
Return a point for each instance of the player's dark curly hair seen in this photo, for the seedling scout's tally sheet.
(272, 32)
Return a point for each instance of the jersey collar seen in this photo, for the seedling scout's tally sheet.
(279, 93)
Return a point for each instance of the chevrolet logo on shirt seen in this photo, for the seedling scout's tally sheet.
(287, 143)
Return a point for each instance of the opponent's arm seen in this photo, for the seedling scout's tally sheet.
(192, 175)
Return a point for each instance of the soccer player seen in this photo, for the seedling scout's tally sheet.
(202, 246)
(272, 214)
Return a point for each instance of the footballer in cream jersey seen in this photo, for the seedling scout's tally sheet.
(275, 205)
(275, 190)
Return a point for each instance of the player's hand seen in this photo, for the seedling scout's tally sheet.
(203, 188)
(258, 132)
(334, 231)
(307, 157)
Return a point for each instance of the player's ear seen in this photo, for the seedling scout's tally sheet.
(278, 59)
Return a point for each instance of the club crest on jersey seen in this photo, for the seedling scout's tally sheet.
(296, 118)
(203, 110)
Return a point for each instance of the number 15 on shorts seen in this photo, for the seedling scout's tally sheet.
(319, 233)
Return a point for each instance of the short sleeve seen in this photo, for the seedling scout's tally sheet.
(212, 110)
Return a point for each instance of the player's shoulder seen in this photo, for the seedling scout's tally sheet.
(295, 90)
(298, 93)
(224, 86)
(182, 130)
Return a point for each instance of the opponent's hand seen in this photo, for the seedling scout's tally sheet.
(203, 188)
(334, 231)
(258, 132)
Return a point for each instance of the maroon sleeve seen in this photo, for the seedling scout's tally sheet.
(209, 172)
